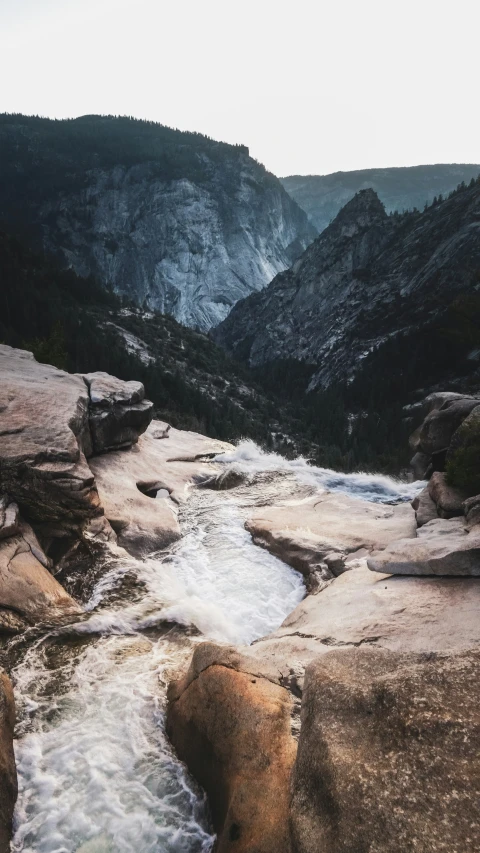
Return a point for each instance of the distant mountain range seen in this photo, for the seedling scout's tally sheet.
(402, 188)
(388, 295)
(174, 220)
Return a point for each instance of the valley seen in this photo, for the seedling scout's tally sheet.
(239, 499)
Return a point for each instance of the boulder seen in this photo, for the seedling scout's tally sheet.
(389, 754)
(436, 431)
(43, 434)
(443, 547)
(9, 517)
(471, 509)
(448, 500)
(118, 411)
(8, 773)
(29, 594)
(425, 508)
(234, 730)
(128, 481)
(318, 536)
(461, 435)
(463, 456)
(420, 464)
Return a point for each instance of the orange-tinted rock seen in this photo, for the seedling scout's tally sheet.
(234, 730)
(8, 774)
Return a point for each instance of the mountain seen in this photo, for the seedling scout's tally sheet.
(403, 188)
(173, 220)
(386, 296)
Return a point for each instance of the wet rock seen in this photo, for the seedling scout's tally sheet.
(8, 774)
(118, 411)
(29, 594)
(443, 547)
(227, 479)
(388, 756)
(448, 500)
(43, 434)
(234, 730)
(425, 508)
(9, 517)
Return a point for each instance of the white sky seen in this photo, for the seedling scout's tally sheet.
(310, 87)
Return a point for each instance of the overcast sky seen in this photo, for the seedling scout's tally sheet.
(310, 87)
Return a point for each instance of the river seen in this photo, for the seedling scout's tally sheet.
(96, 771)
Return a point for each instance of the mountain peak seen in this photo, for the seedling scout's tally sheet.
(365, 208)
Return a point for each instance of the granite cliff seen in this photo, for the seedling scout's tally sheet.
(173, 220)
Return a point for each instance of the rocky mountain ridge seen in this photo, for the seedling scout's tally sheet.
(367, 280)
(399, 188)
(172, 220)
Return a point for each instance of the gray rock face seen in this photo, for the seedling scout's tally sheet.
(366, 278)
(186, 250)
(403, 188)
(184, 224)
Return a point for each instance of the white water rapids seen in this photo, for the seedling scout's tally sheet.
(96, 772)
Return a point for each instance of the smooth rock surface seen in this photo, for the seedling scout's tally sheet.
(142, 523)
(318, 536)
(233, 729)
(29, 594)
(8, 773)
(443, 547)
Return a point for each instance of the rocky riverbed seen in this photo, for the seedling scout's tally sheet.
(321, 702)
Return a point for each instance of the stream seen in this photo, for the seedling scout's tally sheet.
(96, 771)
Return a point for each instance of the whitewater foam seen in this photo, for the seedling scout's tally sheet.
(249, 459)
(96, 772)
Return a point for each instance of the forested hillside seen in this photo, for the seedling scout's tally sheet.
(77, 325)
(400, 188)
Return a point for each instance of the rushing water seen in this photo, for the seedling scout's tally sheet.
(96, 773)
